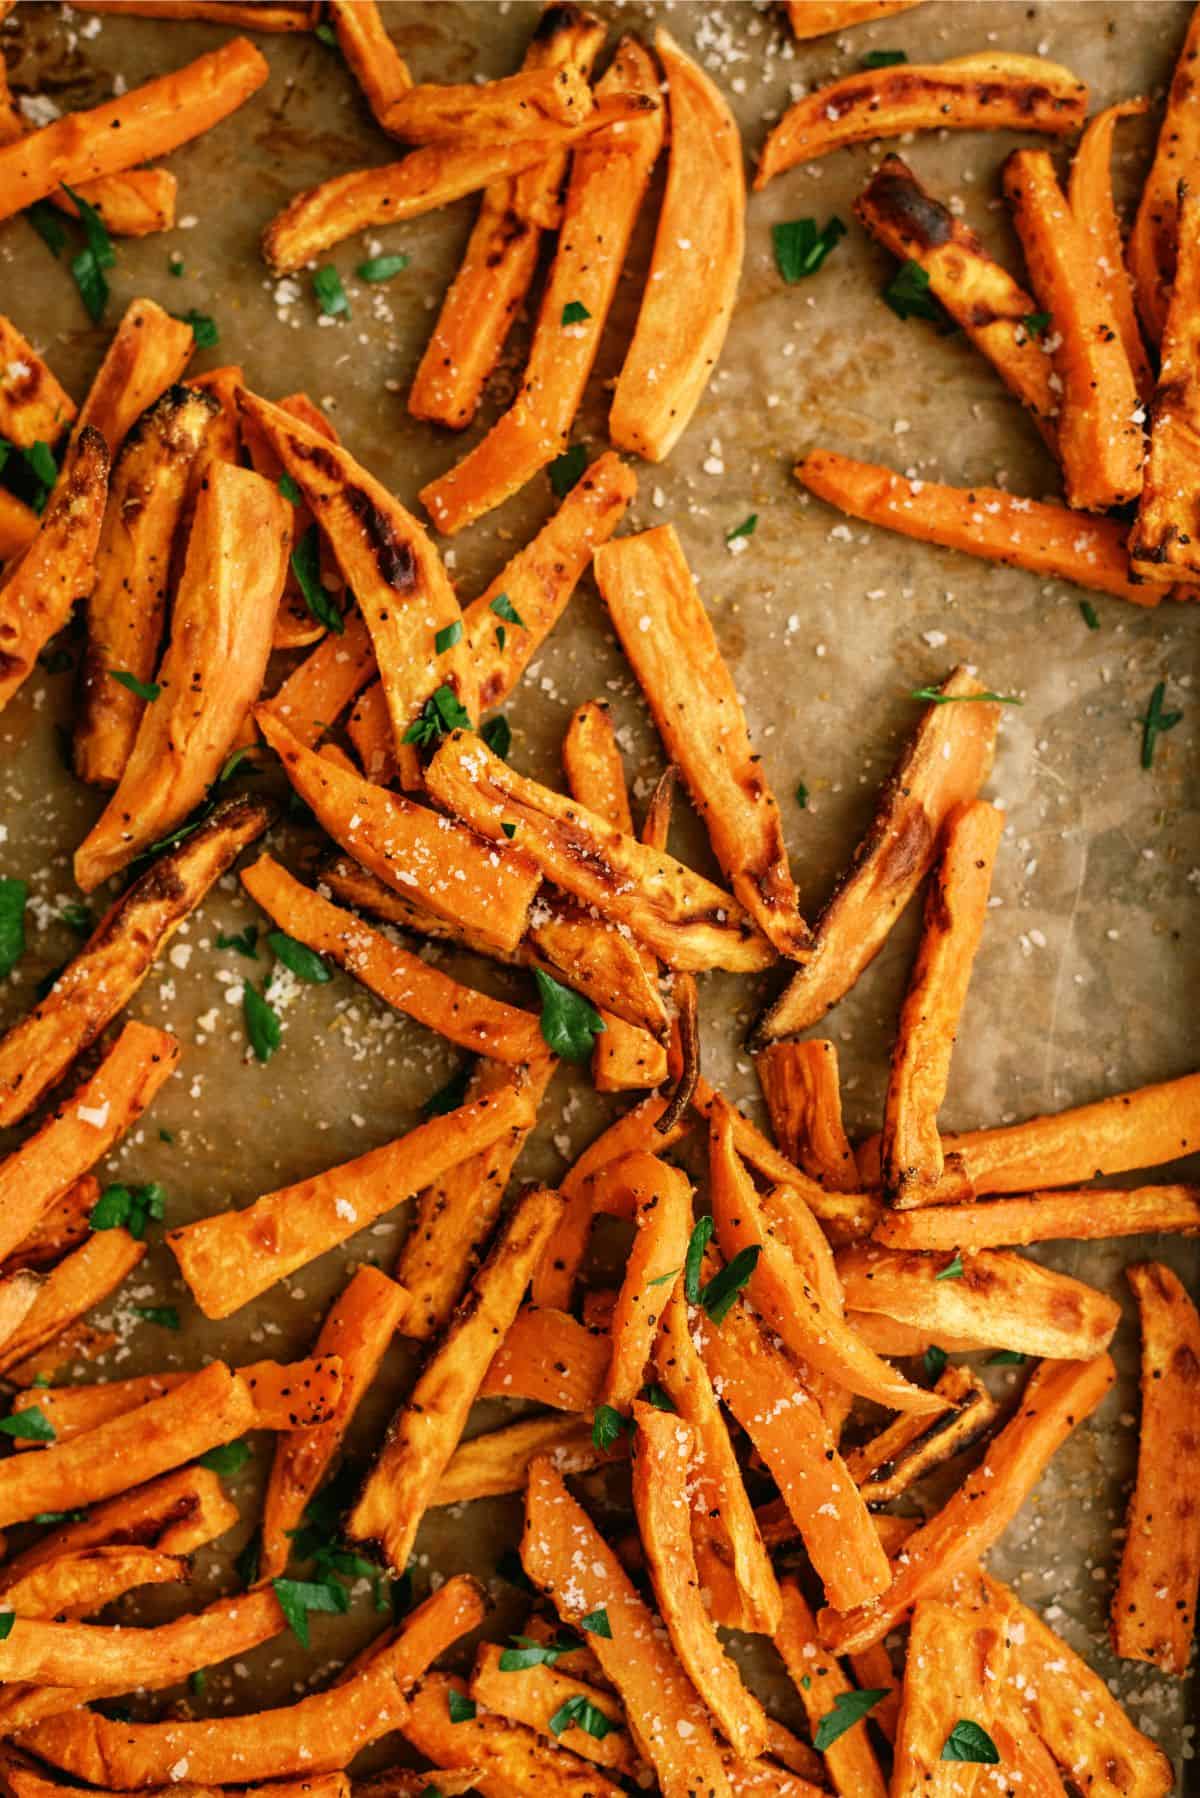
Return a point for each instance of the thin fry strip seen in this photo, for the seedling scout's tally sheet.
(318, 689)
(230, 1257)
(373, 59)
(534, 1694)
(821, 18)
(1153, 244)
(609, 175)
(82, 1279)
(295, 625)
(92, 1656)
(1100, 440)
(694, 270)
(369, 728)
(493, 1465)
(944, 763)
(1089, 1213)
(148, 353)
(25, 1784)
(988, 91)
(77, 1584)
(61, 1228)
(566, 1556)
(957, 1667)
(662, 1209)
(850, 1761)
(173, 1515)
(515, 107)
(511, 1761)
(300, 1395)
(34, 406)
(888, 1464)
(258, 15)
(1163, 544)
(423, 1436)
(955, 909)
(548, 1357)
(1059, 1397)
(1089, 190)
(1154, 1604)
(803, 1095)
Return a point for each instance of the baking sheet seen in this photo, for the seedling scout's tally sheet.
(1085, 980)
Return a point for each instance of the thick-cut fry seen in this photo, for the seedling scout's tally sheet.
(1165, 540)
(548, 1357)
(491, 1466)
(804, 1100)
(1060, 1395)
(888, 1464)
(534, 1694)
(512, 1761)
(318, 689)
(318, 1734)
(173, 1515)
(34, 407)
(423, 1436)
(694, 271)
(821, 18)
(258, 15)
(978, 293)
(146, 122)
(58, 567)
(662, 1460)
(1089, 190)
(1089, 1213)
(148, 353)
(374, 61)
(1099, 439)
(608, 179)
(505, 111)
(685, 919)
(669, 639)
(850, 1761)
(955, 909)
(300, 1395)
(957, 1668)
(472, 1020)
(987, 91)
(114, 1659)
(1154, 1604)
(566, 1556)
(230, 1257)
(662, 1209)
(1153, 244)
(87, 1275)
(943, 764)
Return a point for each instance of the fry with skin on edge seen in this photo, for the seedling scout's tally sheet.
(491, 1466)
(511, 1760)
(173, 1515)
(943, 764)
(148, 354)
(318, 1734)
(1163, 544)
(956, 902)
(987, 91)
(300, 1395)
(1089, 191)
(534, 1694)
(608, 180)
(565, 1555)
(373, 59)
(821, 18)
(424, 1434)
(1058, 1397)
(1154, 1604)
(58, 567)
(889, 1463)
(694, 269)
(230, 1257)
(82, 1279)
(515, 107)
(850, 1762)
(548, 1357)
(34, 406)
(318, 689)
(662, 1211)
(1099, 440)
(803, 1095)
(1153, 244)
(1090, 1213)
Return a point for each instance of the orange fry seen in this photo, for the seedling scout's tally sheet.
(491, 1466)
(1163, 543)
(509, 1760)
(850, 1761)
(803, 1096)
(548, 1357)
(821, 18)
(300, 1395)
(318, 689)
(149, 351)
(505, 111)
(82, 1279)
(1090, 193)
(1153, 244)
(373, 58)
(258, 15)
(173, 1515)
(1089, 1213)
(958, 1667)
(19, 525)
(662, 1209)
(34, 407)
(534, 1694)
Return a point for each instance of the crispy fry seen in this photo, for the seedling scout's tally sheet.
(318, 689)
(505, 111)
(547, 1357)
(77, 1344)
(87, 1275)
(22, 1783)
(295, 625)
(1060, 1395)
(1089, 190)
(695, 705)
(955, 908)
(662, 1210)
(904, 1341)
(694, 270)
(850, 1761)
(1154, 1604)
(492, 1465)
(957, 1667)
(512, 1761)
(1153, 244)
(318, 1734)
(534, 1694)
(609, 175)
(173, 1515)
(565, 1555)
(402, 1782)
(978, 293)
(230, 1257)
(804, 1100)
(821, 18)
(889, 1463)
(19, 525)
(58, 567)
(1089, 1213)
(301, 1395)
(258, 15)
(223, 441)
(1100, 441)
(135, 203)
(374, 61)
(148, 353)
(114, 1659)
(1163, 543)
(987, 91)
(34, 407)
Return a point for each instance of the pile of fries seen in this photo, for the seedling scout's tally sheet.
(772, 1372)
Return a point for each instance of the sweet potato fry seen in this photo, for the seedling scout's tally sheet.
(566, 1556)
(955, 909)
(148, 353)
(695, 705)
(230, 1257)
(987, 91)
(258, 15)
(19, 525)
(1089, 191)
(492, 1465)
(980, 295)
(85, 1277)
(662, 1211)
(114, 1659)
(34, 407)
(694, 270)
(58, 567)
(1153, 244)
(548, 1357)
(1089, 1213)
(369, 728)
(398, 1782)
(957, 1668)
(803, 1096)
(173, 1516)
(295, 625)
(84, 1581)
(61, 1228)
(318, 1734)
(944, 763)
(135, 203)
(299, 1395)
(1163, 544)
(147, 122)
(318, 689)
(609, 175)
(511, 1760)
(821, 18)
(18, 1295)
(373, 59)
(889, 1463)
(505, 111)
(1154, 1604)
(20, 1782)
(1060, 1395)
(535, 1694)
(850, 1761)
(1099, 439)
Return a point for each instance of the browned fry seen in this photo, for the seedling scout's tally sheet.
(258, 15)
(609, 175)
(695, 705)
(955, 909)
(511, 1761)
(821, 18)
(173, 1515)
(1153, 244)
(423, 1436)
(979, 294)
(492, 1465)
(548, 1357)
(889, 1463)
(84, 1277)
(223, 441)
(301, 1395)
(1090, 193)
(1154, 1604)
(318, 689)
(505, 111)
(958, 1668)
(21, 1782)
(987, 91)
(804, 1100)
(369, 728)
(149, 352)
(39, 588)
(34, 407)
(84, 1581)
(694, 271)
(1164, 544)
(817, 1676)
(661, 1203)
(295, 625)
(1100, 441)
(373, 58)
(397, 1782)
(1089, 1213)
(943, 764)
(534, 1694)
(61, 1228)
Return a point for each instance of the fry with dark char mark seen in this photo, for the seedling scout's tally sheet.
(373, 58)
(1088, 1214)
(850, 1761)
(509, 1758)
(987, 91)
(81, 1280)
(148, 353)
(174, 1515)
(300, 1395)
(1164, 544)
(295, 625)
(505, 111)
(890, 1462)
(802, 1090)
(77, 1584)
(34, 407)
(1089, 190)
(1153, 244)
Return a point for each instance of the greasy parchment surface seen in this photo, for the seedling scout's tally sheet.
(1085, 980)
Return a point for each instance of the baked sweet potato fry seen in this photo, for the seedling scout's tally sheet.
(1059, 1397)
(424, 1434)
(850, 1761)
(988, 522)
(298, 1395)
(821, 18)
(510, 1760)
(258, 15)
(61, 1228)
(1089, 191)
(83, 1582)
(957, 1668)
(979, 294)
(1153, 244)
(230, 1257)
(19, 525)
(39, 588)
(173, 1515)
(1154, 1604)
(110, 1659)
(1089, 1213)
(491, 1466)
(608, 180)
(18, 1295)
(34, 406)
(505, 111)
(135, 203)
(987, 91)
(566, 1556)
(548, 1357)
(535, 1694)
(295, 624)
(944, 764)
(889, 1463)
(148, 353)
(1164, 544)
(662, 1210)
(318, 689)
(373, 59)
(694, 270)
(82, 1279)
(803, 1095)
(955, 909)
(1099, 439)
